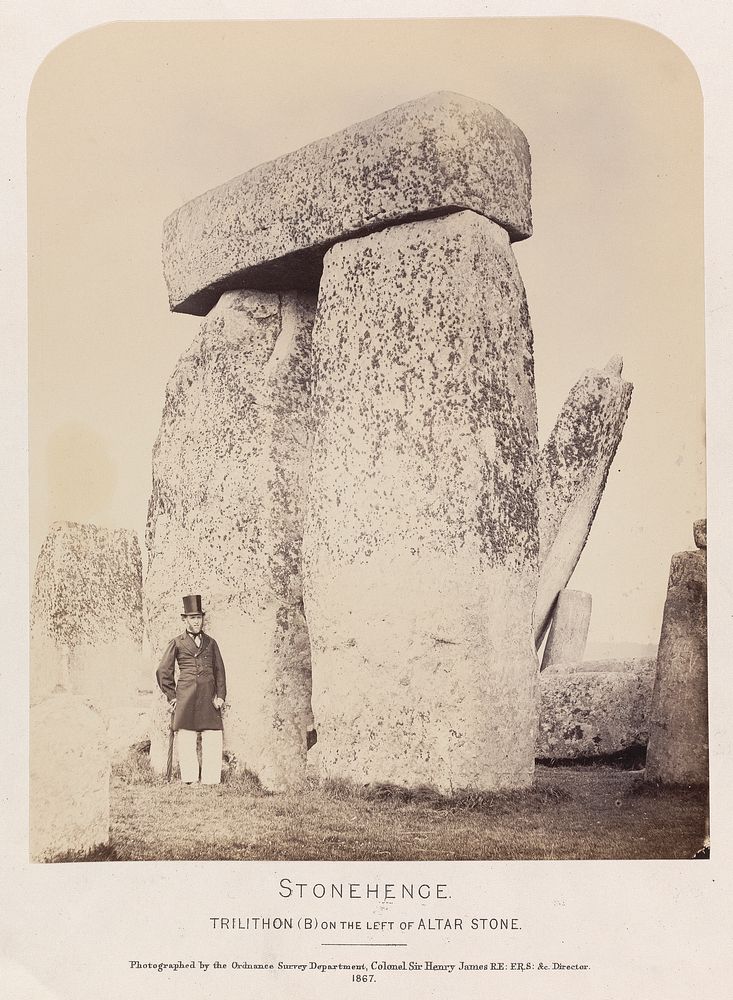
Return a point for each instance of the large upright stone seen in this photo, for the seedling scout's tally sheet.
(420, 550)
(569, 629)
(574, 465)
(225, 518)
(69, 778)
(678, 733)
(270, 227)
(86, 624)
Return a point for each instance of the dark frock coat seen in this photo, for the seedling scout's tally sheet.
(201, 678)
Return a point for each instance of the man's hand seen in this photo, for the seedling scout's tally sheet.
(172, 705)
(218, 702)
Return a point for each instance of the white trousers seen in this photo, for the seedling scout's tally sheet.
(211, 749)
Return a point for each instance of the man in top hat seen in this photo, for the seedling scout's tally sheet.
(197, 699)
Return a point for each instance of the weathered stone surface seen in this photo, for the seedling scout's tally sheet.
(678, 739)
(420, 549)
(69, 778)
(86, 624)
(129, 723)
(639, 663)
(591, 712)
(569, 629)
(700, 532)
(270, 227)
(574, 465)
(225, 519)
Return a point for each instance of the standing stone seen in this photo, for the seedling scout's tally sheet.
(569, 629)
(225, 519)
(573, 468)
(420, 550)
(69, 778)
(270, 227)
(678, 736)
(700, 532)
(86, 624)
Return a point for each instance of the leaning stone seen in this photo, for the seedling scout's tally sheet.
(69, 778)
(225, 520)
(574, 466)
(678, 740)
(700, 531)
(420, 549)
(569, 629)
(270, 227)
(593, 713)
(86, 616)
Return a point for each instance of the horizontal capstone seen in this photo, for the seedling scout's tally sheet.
(269, 228)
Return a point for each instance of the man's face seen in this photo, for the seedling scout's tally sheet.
(194, 623)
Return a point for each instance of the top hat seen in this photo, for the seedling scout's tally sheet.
(192, 605)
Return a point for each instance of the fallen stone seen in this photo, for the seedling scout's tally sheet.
(590, 712)
(86, 616)
(678, 740)
(700, 531)
(641, 663)
(270, 227)
(569, 628)
(573, 468)
(420, 548)
(225, 521)
(69, 778)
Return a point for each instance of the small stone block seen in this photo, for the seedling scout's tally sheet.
(700, 531)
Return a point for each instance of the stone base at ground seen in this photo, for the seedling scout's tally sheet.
(69, 778)
(592, 710)
(678, 740)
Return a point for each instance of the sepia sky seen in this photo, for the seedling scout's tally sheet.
(128, 121)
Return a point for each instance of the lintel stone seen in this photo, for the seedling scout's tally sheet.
(269, 228)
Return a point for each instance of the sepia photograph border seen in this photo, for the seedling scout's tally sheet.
(551, 905)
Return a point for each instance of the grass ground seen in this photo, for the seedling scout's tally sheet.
(591, 812)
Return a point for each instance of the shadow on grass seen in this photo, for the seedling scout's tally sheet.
(425, 796)
(630, 759)
(658, 790)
